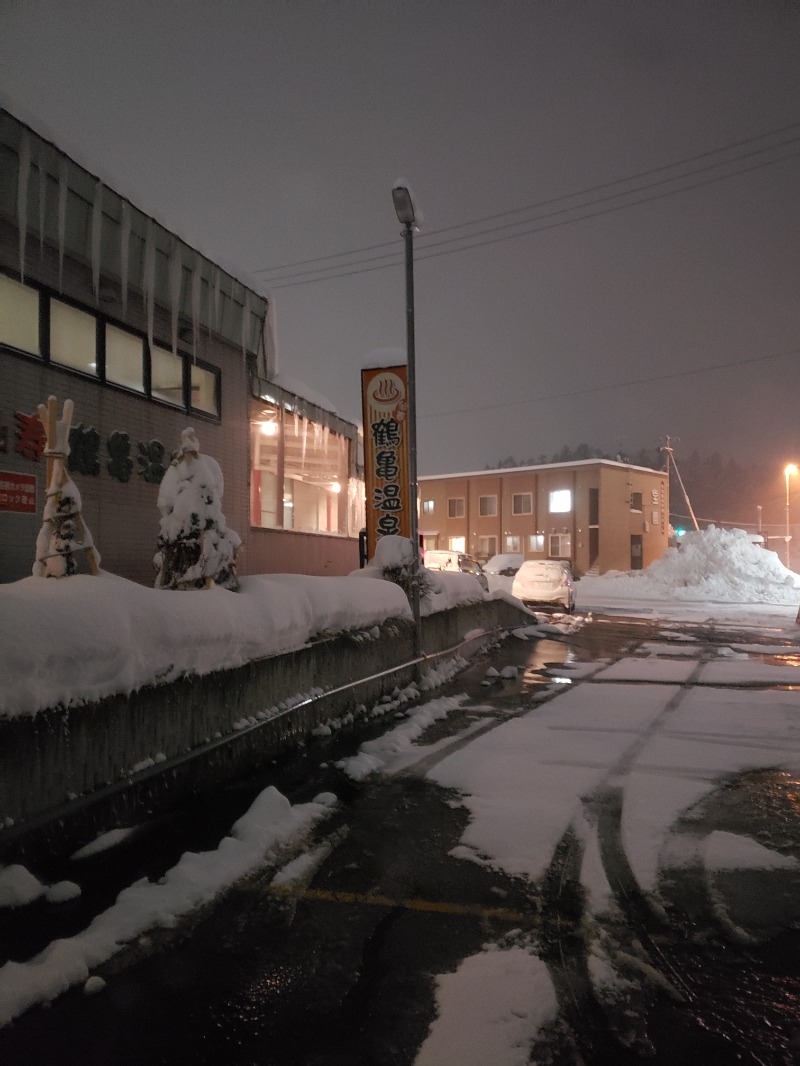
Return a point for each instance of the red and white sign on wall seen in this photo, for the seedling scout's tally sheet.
(384, 396)
(17, 492)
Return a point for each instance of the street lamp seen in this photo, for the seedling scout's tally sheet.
(788, 471)
(404, 207)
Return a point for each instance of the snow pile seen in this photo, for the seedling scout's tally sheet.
(720, 565)
(270, 824)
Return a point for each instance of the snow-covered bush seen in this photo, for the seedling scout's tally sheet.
(195, 547)
(394, 557)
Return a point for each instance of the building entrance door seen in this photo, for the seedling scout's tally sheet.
(637, 555)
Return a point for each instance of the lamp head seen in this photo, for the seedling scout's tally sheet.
(403, 205)
(791, 468)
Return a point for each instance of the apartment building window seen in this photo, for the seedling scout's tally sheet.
(487, 546)
(560, 546)
(487, 506)
(427, 506)
(636, 501)
(19, 316)
(455, 507)
(522, 503)
(513, 544)
(560, 501)
(457, 544)
(535, 542)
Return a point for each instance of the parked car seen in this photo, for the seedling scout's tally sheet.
(439, 559)
(545, 582)
(505, 565)
(500, 570)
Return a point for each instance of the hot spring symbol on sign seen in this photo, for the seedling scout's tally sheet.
(384, 393)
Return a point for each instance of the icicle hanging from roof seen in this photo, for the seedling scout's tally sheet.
(175, 281)
(124, 250)
(217, 299)
(62, 215)
(245, 320)
(97, 237)
(305, 441)
(23, 174)
(197, 295)
(149, 279)
(42, 193)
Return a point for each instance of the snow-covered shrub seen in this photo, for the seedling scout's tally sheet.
(195, 546)
(394, 557)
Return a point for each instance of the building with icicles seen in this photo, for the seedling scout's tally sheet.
(101, 304)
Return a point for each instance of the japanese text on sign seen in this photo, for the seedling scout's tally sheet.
(384, 395)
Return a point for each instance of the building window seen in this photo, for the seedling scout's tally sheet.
(487, 506)
(19, 316)
(427, 506)
(636, 501)
(166, 376)
(535, 542)
(560, 501)
(522, 503)
(487, 547)
(204, 384)
(124, 358)
(457, 544)
(73, 337)
(300, 474)
(513, 544)
(560, 546)
(455, 507)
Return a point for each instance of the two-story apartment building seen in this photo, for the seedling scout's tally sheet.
(101, 304)
(598, 514)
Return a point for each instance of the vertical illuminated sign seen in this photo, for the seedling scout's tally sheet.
(384, 396)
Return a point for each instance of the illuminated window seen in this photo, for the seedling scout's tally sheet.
(455, 508)
(487, 546)
(513, 544)
(487, 506)
(205, 389)
(299, 478)
(124, 359)
(535, 542)
(427, 506)
(73, 337)
(560, 502)
(166, 376)
(560, 545)
(522, 503)
(456, 544)
(19, 316)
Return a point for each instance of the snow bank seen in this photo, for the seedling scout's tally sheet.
(719, 565)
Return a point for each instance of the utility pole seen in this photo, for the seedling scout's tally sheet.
(667, 447)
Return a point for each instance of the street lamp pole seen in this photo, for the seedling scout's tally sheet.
(790, 469)
(404, 206)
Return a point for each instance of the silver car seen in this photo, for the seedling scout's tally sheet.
(545, 583)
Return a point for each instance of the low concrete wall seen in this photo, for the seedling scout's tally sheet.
(66, 774)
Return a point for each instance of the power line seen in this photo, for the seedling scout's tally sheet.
(617, 385)
(544, 203)
(306, 278)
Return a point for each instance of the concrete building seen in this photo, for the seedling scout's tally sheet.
(101, 304)
(598, 514)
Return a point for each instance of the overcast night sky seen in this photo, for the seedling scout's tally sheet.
(552, 308)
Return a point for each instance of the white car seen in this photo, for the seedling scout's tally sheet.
(545, 583)
(500, 570)
(441, 559)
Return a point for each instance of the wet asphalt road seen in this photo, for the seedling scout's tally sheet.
(341, 972)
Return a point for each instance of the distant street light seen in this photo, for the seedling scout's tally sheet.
(404, 207)
(788, 471)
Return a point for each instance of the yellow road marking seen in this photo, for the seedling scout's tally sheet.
(501, 914)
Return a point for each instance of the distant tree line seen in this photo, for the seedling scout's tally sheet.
(723, 491)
